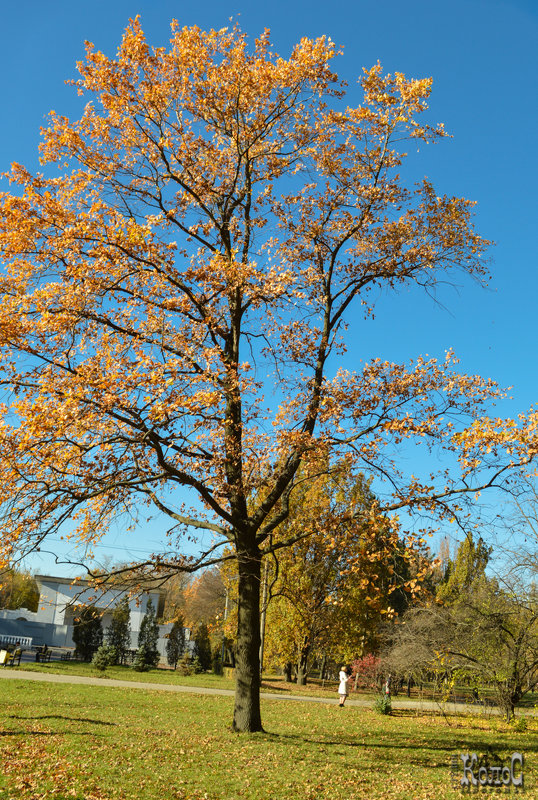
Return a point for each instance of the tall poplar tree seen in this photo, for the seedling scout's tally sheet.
(174, 302)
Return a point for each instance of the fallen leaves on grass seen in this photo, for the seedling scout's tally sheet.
(35, 773)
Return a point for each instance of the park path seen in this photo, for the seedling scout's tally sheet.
(397, 702)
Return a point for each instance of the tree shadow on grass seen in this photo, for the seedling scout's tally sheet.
(29, 733)
(47, 734)
(431, 755)
(386, 747)
(69, 719)
(268, 687)
(26, 732)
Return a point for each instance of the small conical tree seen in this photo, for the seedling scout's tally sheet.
(118, 634)
(148, 637)
(175, 646)
(202, 647)
(87, 632)
(105, 656)
(142, 659)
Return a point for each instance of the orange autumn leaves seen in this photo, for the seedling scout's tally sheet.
(174, 300)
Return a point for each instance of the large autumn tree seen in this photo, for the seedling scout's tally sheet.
(173, 302)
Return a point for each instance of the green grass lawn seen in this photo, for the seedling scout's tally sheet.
(271, 683)
(168, 676)
(64, 741)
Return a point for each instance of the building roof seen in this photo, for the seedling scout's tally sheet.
(107, 587)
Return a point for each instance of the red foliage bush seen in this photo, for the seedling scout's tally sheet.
(366, 671)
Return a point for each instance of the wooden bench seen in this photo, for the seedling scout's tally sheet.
(13, 659)
(43, 657)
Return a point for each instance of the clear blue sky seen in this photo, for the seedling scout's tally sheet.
(482, 55)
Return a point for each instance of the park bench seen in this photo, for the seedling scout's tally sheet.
(11, 659)
(41, 656)
(65, 656)
(44, 656)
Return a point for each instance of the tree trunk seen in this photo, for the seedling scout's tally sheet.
(323, 668)
(287, 671)
(247, 716)
(302, 665)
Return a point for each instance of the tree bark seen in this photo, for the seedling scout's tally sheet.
(247, 715)
(302, 666)
(323, 667)
(301, 675)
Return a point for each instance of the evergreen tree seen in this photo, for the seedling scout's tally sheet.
(217, 660)
(148, 637)
(87, 632)
(105, 656)
(142, 659)
(175, 646)
(202, 647)
(118, 634)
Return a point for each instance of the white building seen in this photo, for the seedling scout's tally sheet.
(59, 598)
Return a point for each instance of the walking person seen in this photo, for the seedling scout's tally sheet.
(343, 677)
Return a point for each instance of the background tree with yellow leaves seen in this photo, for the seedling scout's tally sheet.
(174, 301)
(349, 570)
(18, 589)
